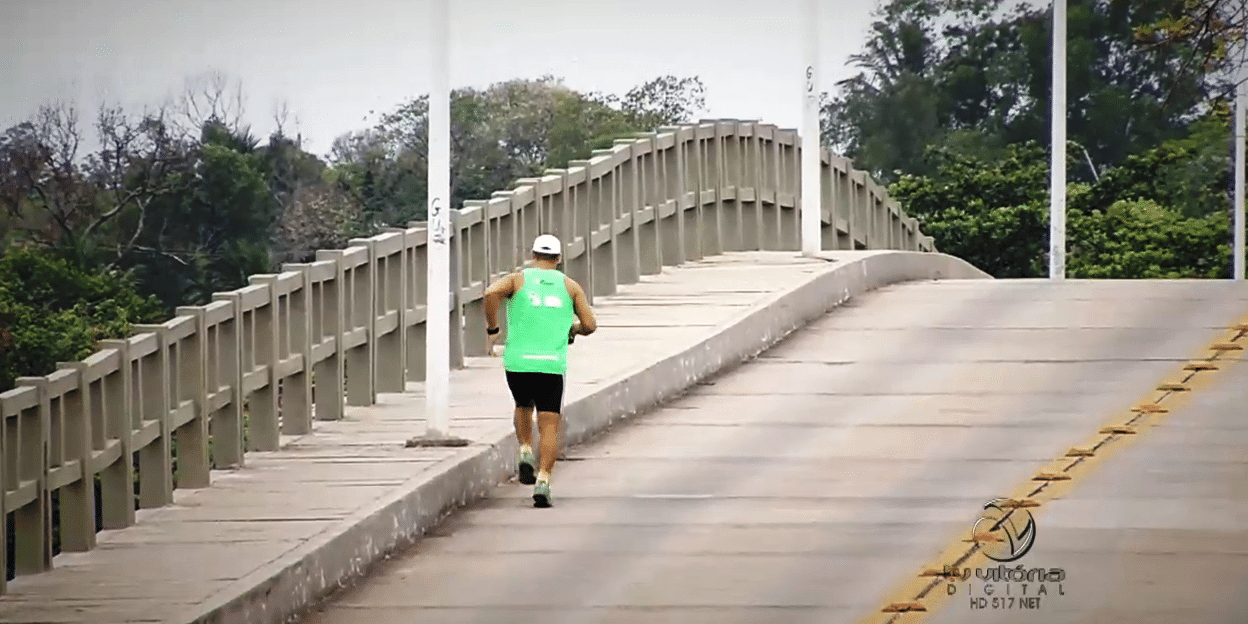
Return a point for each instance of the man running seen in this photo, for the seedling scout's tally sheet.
(545, 311)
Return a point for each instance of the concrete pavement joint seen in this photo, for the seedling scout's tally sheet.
(907, 600)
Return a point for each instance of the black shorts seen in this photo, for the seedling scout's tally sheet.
(541, 390)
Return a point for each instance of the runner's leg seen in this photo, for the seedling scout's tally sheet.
(548, 394)
(525, 464)
(523, 419)
(548, 426)
(524, 425)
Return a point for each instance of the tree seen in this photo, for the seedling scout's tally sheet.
(1143, 240)
(176, 202)
(188, 213)
(318, 216)
(991, 214)
(981, 81)
(994, 214)
(386, 180)
(1205, 33)
(45, 194)
(663, 101)
(507, 131)
(134, 167)
(206, 99)
(314, 212)
(188, 201)
(1189, 174)
(885, 116)
(53, 310)
(213, 230)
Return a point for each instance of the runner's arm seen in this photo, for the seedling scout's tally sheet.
(502, 288)
(586, 323)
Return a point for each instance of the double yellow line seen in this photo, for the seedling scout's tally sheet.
(916, 598)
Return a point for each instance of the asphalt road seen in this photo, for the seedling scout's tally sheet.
(805, 485)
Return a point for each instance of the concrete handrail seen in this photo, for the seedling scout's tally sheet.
(354, 319)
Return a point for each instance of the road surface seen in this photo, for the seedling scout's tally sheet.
(807, 485)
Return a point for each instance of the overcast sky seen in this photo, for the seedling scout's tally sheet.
(333, 62)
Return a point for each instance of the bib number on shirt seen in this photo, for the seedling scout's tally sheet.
(551, 301)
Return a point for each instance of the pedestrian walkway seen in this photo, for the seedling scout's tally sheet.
(264, 537)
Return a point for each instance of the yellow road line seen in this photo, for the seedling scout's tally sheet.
(918, 597)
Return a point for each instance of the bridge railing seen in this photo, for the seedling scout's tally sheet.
(174, 401)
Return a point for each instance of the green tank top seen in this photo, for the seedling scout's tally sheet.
(539, 317)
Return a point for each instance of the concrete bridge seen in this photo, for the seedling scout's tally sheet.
(787, 439)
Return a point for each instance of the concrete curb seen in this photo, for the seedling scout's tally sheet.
(284, 589)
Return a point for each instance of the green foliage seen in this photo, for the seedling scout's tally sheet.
(500, 134)
(972, 74)
(52, 310)
(194, 206)
(209, 231)
(582, 124)
(1189, 174)
(989, 214)
(1206, 33)
(666, 100)
(1019, 178)
(1142, 240)
(1005, 242)
(994, 213)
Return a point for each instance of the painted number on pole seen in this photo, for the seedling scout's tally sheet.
(810, 80)
(436, 221)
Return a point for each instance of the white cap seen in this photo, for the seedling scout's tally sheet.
(547, 244)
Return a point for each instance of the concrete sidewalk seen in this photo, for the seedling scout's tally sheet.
(267, 541)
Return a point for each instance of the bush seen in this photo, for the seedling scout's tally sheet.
(53, 310)
(995, 215)
(1142, 240)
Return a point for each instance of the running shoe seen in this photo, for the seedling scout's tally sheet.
(528, 475)
(541, 494)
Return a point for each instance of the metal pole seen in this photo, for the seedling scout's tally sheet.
(1057, 165)
(1241, 95)
(438, 323)
(812, 169)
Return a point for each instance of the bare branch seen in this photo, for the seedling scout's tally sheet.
(206, 97)
(135, 160)
(40, 173)
(317, 217)
(160, 252)
(281, 115)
